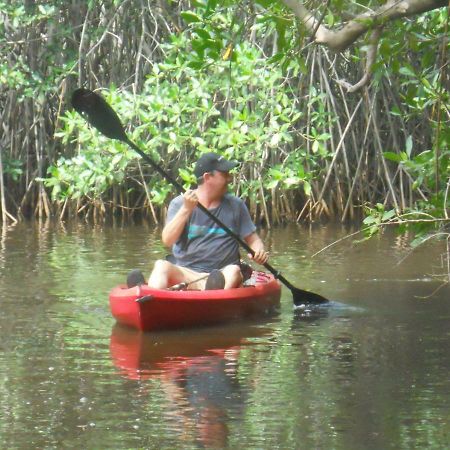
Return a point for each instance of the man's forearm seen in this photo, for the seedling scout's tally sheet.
(257, 244)
(172, 230)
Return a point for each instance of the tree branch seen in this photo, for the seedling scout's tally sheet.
(319, 22)
(371, 57)
(341, 39)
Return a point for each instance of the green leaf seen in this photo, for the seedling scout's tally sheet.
(395, 111)
(281, 32)
(391, 156)
(275, 139)
(420, 239)
(307, 188)
(388, 215)
(197, 65)
(117, 159)
(369, 220)
(425, 157)
(265, 3)
(405, 70)
(271, 184)
(190, 17)
(201, 32)
(211, 5)
(315, 146)
(291, 181)
(409, 146)
(277, 57)
(404, 156)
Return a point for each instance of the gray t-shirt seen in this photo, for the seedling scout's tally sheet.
(204, 245)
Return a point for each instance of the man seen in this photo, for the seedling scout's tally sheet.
(200, 246)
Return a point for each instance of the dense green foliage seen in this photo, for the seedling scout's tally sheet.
(425, 158)
(240, 109)
(237, 77)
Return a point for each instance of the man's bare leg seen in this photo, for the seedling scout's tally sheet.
(233, 276)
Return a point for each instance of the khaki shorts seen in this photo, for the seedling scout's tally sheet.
(191, 276)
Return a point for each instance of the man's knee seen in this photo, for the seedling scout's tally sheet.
(161, 265)
(161, 269)
(233, 269)
(233, 273)
(161, 274)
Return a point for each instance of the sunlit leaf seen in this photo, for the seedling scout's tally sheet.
(307, 188)
(409, 145)
(227, 52)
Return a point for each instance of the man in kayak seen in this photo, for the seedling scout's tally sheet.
(199, 245)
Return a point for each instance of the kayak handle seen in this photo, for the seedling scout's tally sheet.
(144, 299)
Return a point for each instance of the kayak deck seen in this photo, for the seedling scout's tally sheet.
(163, 309)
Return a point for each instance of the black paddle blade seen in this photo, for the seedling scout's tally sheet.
(98, 113)
(302, 297)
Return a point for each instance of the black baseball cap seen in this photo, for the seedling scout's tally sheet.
(211, 161)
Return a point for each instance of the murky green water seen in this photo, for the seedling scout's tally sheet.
(369, 372)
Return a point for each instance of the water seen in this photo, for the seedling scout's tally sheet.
(371, 371)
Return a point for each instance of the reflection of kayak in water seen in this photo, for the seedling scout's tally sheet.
(192, 375)
(152, 309)
(141, 355)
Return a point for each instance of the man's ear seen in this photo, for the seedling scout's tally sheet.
(206, 176)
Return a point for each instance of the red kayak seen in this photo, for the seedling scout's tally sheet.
(153, 309)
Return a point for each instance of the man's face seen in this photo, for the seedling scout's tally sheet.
(219, 181)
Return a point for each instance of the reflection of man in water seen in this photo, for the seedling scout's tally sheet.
(205, 390)
(213, 428)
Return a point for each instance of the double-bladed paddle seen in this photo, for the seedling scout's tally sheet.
(102, 116)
